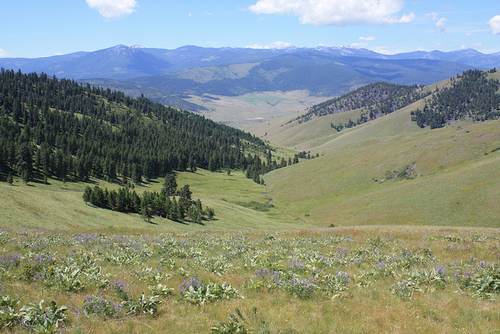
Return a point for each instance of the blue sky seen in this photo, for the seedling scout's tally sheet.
(32, 28)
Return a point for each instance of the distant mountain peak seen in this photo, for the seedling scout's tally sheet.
(118, 47)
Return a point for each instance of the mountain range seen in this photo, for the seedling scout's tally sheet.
(170, 76)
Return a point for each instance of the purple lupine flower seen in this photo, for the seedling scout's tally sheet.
(440, 270)
(117, 307)
(276, 277)
(342, 277)
(380, 265)
(120, 284)
(88, 299)
(193, 282)
(263, 273)
(10, 260)
(43, 258)
(342, 252)
(301, 282)
(483, 264)
(85, 237)
(296, 264)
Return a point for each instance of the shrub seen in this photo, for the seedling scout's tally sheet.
(40, 319)
(234, 325)
(119, 286)
(302, 288)
(484, 283)
(334, 285)
(195, 292)
(405, 288)
(9, 316)
(99, 306)
(161, 290)
(143, 305)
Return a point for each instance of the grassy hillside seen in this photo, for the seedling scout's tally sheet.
(239, 203)
(306, 135)
(458, 180)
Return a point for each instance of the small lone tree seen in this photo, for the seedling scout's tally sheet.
(210, 213)
(87, 195)
(146, 208)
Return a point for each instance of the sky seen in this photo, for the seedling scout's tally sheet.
(35, 28)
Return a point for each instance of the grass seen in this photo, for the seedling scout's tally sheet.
(458, 179)
(273, 244)
(307, 135)
(59, 206)
(270, 305)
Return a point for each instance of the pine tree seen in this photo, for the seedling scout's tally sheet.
(186, 192)
(194, 214)
(170, 185)
(210, 213)
(136, 174)
(25, 163)
(10, 179)
(87, 195)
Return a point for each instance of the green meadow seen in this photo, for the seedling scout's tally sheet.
(456, 179)
(239, 203)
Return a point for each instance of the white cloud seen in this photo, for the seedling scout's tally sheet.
(433, 15)
(403, 19)
(113, 8)
(367, 38)
(495, 24)
(440, 24)
(336, 12)
(274, 45)
(438, 20)
(3, 53)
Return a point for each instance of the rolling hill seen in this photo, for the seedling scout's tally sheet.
(387, 171)
(361, 176)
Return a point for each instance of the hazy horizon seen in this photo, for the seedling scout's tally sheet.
(383, 26)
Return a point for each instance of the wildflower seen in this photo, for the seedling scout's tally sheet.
(380, 265)
(193, 282)
(120, 284)
(296, 264)
(342, 277)
(440, 270)
(10, 260)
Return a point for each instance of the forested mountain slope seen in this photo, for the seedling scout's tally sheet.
(324, 120)
(375, 100)
(473, 95)
(51, 127)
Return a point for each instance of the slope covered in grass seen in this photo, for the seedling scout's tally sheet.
(239, 204)
(457, 179)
